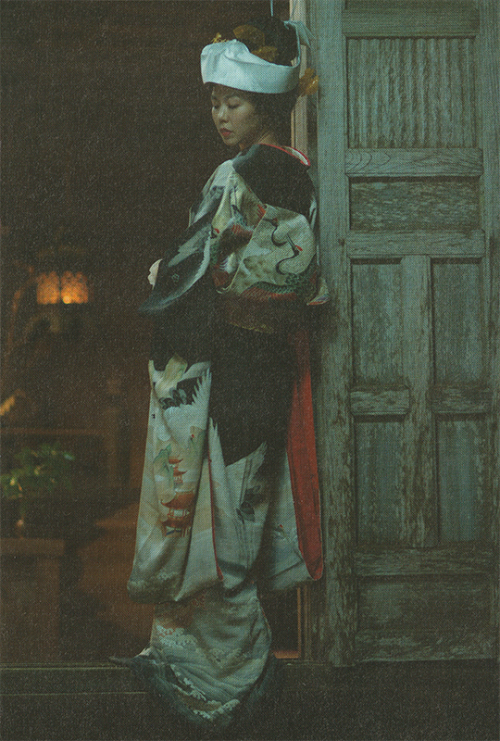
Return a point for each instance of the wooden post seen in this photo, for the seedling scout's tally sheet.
(489, 105)
(335, 616)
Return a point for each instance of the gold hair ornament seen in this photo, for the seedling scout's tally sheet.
(253, 35)
(308, 83)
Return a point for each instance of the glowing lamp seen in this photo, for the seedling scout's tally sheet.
(68, 288)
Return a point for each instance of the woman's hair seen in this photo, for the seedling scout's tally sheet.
(275, 109)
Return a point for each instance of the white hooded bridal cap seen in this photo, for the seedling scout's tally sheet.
(232, 64)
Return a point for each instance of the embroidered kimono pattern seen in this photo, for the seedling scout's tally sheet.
(229, 497)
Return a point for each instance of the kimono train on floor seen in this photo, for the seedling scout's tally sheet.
(229, 502)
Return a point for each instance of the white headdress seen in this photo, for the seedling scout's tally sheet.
(231, 63)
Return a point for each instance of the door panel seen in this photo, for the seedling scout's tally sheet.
(460, 352)
(377, 347)
(404, 204)
(378, 455)
(463, 487)
(393, 84)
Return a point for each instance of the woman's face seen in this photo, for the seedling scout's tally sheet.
(236, 119)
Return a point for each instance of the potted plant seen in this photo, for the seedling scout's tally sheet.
(40, 474)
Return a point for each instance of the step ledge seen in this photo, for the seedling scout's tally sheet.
(104, 679)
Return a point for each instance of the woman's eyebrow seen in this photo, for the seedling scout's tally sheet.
(228, 96)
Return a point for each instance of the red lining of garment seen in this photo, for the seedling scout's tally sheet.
(291, 153)
(212, 508)
(303, 462)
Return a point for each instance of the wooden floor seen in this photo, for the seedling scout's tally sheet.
(429, 701)
(85, 699)
(88, 700)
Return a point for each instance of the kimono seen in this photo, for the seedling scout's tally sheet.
(229, 500)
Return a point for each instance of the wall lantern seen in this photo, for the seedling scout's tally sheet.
(62, 276)
(68, 288)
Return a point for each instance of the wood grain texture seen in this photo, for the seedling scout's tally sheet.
(337, 624)
(459, 323)
(380, 402)
(412, 318)
(456, 560)
(462, 479)
(393, 245)
(400, 604)
(419, 495)
(379, 495)
(389, 19)
(411, 92)
(434, 645)
(443, 6)
(489, 105)
(376, 323)
(414, 204)
(461, 401)
(400, 163)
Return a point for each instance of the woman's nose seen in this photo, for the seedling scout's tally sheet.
(222, 113)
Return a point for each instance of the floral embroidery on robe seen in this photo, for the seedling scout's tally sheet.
(229, 497)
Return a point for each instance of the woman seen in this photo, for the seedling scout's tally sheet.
(229, 501)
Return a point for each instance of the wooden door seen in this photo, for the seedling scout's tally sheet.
(408, 395)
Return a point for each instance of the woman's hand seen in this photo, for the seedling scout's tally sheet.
(153, 272)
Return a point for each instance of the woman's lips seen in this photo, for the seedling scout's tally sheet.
(225, 132)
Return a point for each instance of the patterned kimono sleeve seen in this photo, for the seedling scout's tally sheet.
(263, 259)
